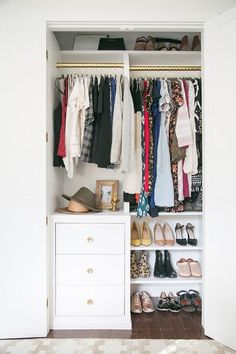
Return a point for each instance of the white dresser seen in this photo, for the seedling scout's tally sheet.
(90, 271)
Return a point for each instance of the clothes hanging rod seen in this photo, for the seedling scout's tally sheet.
(132, 67)
(90, 65)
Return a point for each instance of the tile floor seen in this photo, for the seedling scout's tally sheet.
(156, 325)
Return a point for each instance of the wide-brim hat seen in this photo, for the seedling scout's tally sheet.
(84, 197)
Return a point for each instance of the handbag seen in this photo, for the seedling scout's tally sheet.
(111, 44)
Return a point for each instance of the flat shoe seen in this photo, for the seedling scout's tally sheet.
(147, 303)
(184, 269)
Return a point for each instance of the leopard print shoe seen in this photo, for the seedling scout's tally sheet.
(134, 272)
(144, 267)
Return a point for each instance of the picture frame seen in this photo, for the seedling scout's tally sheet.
(105, 191)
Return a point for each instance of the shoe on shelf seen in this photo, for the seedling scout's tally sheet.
(174, 304)
(158, 235)
(179, 231)
(184, 269)
(151, 43)
(136, 305)
(147, 303)
(196, 46)
(196, 299)
(169, 270)
(134, 272)
(168, 234)
(191, 237)
(185, 301)
(159, 270)
(146, 237)
(144, 267)
(163, 302)
(140, 43)
(184, 43)
(194, 267)
(135, 238)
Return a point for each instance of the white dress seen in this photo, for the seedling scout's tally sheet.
(164, 189)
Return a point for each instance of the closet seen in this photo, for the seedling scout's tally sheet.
(28, 224)
(83, 58)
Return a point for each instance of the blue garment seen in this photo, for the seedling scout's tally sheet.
(156, 114)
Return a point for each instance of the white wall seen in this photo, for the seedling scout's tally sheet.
(28, 12)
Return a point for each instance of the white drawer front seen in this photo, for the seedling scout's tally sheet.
(90, 238)
(78, 300)
(90, 269)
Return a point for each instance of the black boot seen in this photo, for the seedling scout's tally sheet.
(159, 270)
(169, 271)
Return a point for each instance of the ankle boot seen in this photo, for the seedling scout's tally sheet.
(170, 272)
(144, 267)
(159, 270)
(134, 265)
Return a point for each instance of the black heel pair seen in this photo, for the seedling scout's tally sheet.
(180, 239)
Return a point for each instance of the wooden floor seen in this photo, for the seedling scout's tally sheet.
(156, 325)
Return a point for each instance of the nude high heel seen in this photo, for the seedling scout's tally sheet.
(168, 234)
(158, 235)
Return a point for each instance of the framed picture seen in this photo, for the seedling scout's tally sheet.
(105, 191)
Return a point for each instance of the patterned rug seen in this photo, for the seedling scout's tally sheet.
(112, 346)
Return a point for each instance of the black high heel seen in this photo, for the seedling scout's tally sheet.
(191, 237)
(179, 235)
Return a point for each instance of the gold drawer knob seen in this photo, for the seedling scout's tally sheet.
(90, 239)
(90, 270)
(90, 302)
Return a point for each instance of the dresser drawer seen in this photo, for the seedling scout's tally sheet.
(90, 269)
(89, 301)
(90, 238)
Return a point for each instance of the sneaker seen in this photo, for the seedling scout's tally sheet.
(174, 304)
(136, 305)
(147, 303)
(163, 302)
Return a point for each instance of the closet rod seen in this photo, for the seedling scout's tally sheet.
(89, 65)
(165, 68)
(132, 67)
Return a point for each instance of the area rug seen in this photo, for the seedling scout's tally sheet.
(111, 346)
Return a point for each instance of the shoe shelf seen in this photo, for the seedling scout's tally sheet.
(172, 281)
(170, 248)
(184, 213)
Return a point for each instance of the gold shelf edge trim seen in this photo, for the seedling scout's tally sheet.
(90, 65)
(132, 67)
(165, 68)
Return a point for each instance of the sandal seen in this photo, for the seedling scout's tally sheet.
(196, 299)
(185, 301)
(194, 268)
(184, 269)
(151, 43)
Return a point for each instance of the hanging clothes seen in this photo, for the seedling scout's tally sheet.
(88, 129)
(61, 146)
(164, 189)
(117, 126)
(57, 114)
(105, 130)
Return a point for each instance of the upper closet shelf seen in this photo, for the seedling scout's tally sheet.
(134, 57)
